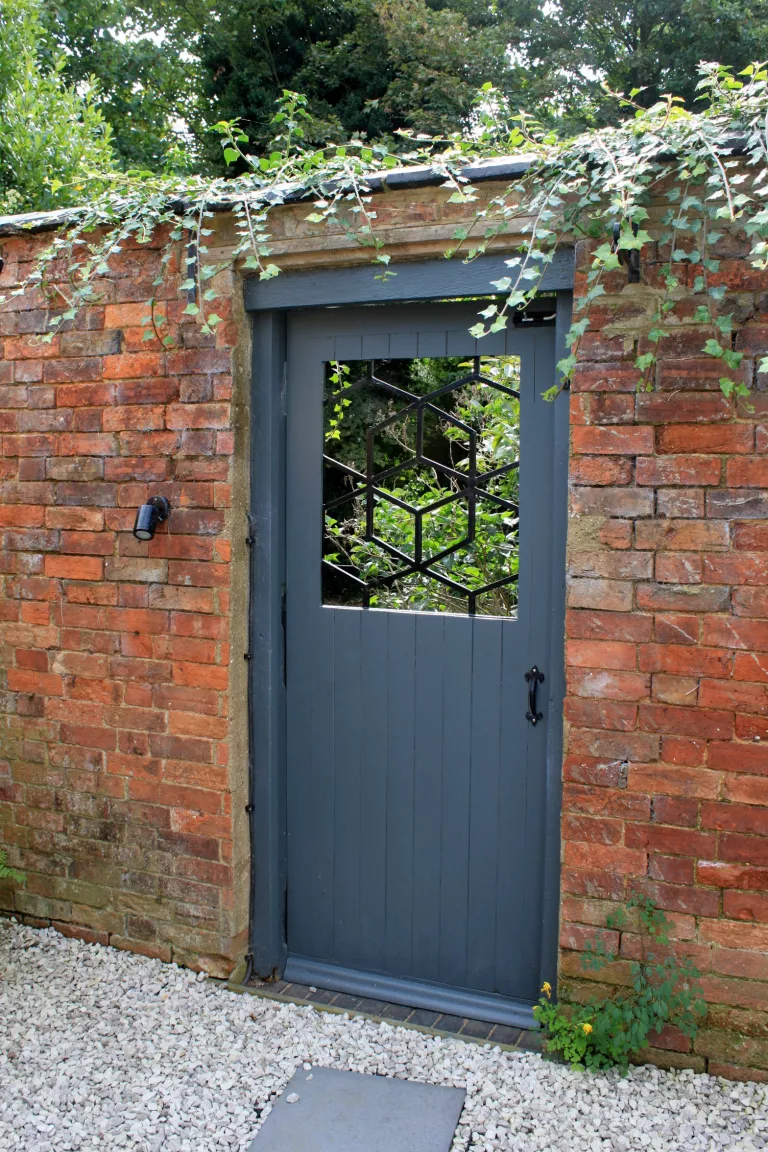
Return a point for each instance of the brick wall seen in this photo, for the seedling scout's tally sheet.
(666, 770)
(116, 796)
(123, 778)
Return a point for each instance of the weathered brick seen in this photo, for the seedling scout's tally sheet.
(608, 595)
(682, 470)
(613, 441)
(682, 407)
(737, 504)
(694, 438)
(682, 535)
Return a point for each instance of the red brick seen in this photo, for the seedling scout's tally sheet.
(674, 780)
(713, 725)
(613, 441)
(750, 602)
(198, 575)
(720, 874)
(682, 407)
(601, 654)
(736, 568)
(682, 597)
(682, 750)
(696, 374)
(197, 416)
(677, 629)
(597, 470)
(74, 368)
(44, 683)
(678, 568)
(741, 848)
(671, 869)
(723, 632)
(684, 470)
(192, 361)
(605, 377)
(140, 417)
(736, 695)
(611, 565)
(735, 817)
(682, 660)
(682, 535)
(745, 906)
(621, 502)
(672, 841)
(627, 626)
(745, 789)
(607, 857)
(732, 757)
(747, 473)
(608, 595)
(133, 365)
(74, 567)
(750, 537)
(695, 438)
(608, 685)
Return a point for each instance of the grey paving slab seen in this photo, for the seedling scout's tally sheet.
(349, 1112)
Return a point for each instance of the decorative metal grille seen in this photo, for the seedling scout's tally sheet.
(421, 487)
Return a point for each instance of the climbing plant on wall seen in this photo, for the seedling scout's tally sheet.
(665, 175)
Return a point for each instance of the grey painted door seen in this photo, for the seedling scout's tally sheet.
(415, 783)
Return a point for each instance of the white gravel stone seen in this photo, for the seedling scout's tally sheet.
(100, 1049)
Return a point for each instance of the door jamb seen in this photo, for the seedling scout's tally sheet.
(423, 281)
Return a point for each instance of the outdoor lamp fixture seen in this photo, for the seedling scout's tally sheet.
(149, 516)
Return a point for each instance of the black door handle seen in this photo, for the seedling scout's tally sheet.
(534, 678)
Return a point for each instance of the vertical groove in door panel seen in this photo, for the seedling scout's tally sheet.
(400, 655)
(348, 767)
(517, 871)
(483, 811)
(374, 712)
(322, 792)
(428, 758)
(454, 849)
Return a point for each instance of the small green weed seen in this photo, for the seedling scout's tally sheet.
(664, 990)
(7, 872)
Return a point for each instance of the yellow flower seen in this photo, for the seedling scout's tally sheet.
(587, 1028)
(546, 988)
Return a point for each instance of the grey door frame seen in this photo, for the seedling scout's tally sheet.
(269, 302)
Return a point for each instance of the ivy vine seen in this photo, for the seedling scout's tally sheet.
(686, 175)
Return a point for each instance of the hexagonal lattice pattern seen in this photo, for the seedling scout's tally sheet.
(421, 485)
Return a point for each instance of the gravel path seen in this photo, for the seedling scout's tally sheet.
(100, 1049)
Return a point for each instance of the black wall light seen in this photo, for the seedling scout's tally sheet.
(149, 516)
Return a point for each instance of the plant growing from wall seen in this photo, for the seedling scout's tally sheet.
(687, 175)
(663, 989)
(8, 873)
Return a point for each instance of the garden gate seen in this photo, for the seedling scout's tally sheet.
(407, 651)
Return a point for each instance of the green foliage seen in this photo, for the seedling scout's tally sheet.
(8, 873)
(146, 82)
(52, 136)
(493, 416)
(169, 69)
(664, 990)
(577, 52)
(703, 171)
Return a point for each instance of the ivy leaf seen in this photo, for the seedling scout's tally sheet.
(712, 348)
(191, 310)
(230, 155)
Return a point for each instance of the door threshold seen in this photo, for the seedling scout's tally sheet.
(458, 1003)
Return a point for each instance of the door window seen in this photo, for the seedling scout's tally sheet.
(420, 484)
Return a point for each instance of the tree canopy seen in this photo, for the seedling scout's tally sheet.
(51, 132)
(168, 70)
